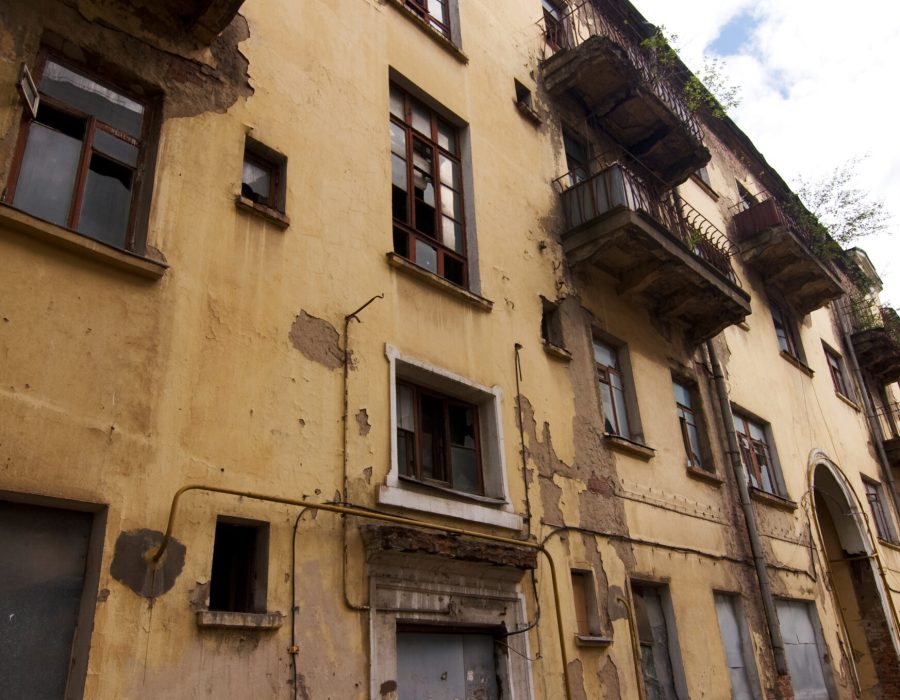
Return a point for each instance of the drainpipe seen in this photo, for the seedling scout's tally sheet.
(874, 426)
(759, 562)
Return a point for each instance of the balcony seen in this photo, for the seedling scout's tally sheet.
(876, 340)
(670, 259)
(788, 257)
(601, 69)
(201, 20)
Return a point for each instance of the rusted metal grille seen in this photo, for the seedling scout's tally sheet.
(583, 20)
(768, 213)
(615, 186)
(867, 316)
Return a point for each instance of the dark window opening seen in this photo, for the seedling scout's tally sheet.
(553, 25)
(551, 324)
(652, 625)
(785, 332)
(81, 157)
(438, 439)
(745, 199)
(426, 189)
(523, 96)
(240, 566)
(879, 513)
(263, 176)
(703, 175)
(587, 617)
(576, 159)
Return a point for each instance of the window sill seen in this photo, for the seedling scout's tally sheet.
(706, 188)
(411, 499)
(629, 447)
(847, 400)
(239, 620)
(420, 273)
(273, 216)
(589, 640)
(797, 363)
(78, 244)
(556, 352)
(433, 34)
(772, 500)
(703, 475)
(890, 545)
(528, 113)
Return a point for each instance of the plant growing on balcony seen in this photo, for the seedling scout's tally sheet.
(709, 91)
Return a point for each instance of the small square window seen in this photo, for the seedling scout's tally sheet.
(838, 372)
(523, 96)
(239, 576)
(263, 176)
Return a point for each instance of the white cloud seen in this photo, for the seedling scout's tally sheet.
(818, 87)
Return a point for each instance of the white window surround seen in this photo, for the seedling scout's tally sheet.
(463, 506)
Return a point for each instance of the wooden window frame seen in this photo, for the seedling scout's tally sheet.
(875, 497)
(413, 444)
(837, 370)
(408, 230)
(604, 375)
(751, 448)
(420, 9)
(784, 326)
(134, 240)
(260, 155)
(554, 29)
(688, 415)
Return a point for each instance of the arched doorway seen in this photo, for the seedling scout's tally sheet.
(857, 585)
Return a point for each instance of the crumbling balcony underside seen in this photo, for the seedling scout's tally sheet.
(654, 267)
(597, 78)
(878, 352)
(786, 264)
(202, 20)
(892, 450)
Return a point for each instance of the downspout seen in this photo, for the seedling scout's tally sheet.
(737, 467)
(874, 426)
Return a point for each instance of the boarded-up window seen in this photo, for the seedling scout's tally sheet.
(653, 637)
(796, 619)
(439, 665)
(738, 651)
(43, 555)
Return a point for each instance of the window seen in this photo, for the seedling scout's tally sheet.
(551, 324)
(523, 95)
(703, 175)
(576, 159)
(745, 199)
(435, 13)
(838, 372)
(437, 439)
(239, 566)
(738, 648)
(612, 389)
(785, 331)
(263, 177)
(446, 665)
(553, 25)
(797, 620)
(81, 157)
(691, 433)
(426, 184)
(874, 495)
(587, 616)
(652, 620)
(755, 454)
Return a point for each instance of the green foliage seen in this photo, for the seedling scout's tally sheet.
(710, 90)
(847, 211)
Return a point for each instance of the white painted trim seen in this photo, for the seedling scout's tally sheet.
(393, 491)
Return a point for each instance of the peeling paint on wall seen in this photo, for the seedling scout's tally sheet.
(362, 420)
(317, 340)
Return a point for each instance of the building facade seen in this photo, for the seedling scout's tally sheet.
(496, 367)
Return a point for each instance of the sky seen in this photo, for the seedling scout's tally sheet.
(818, 87)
